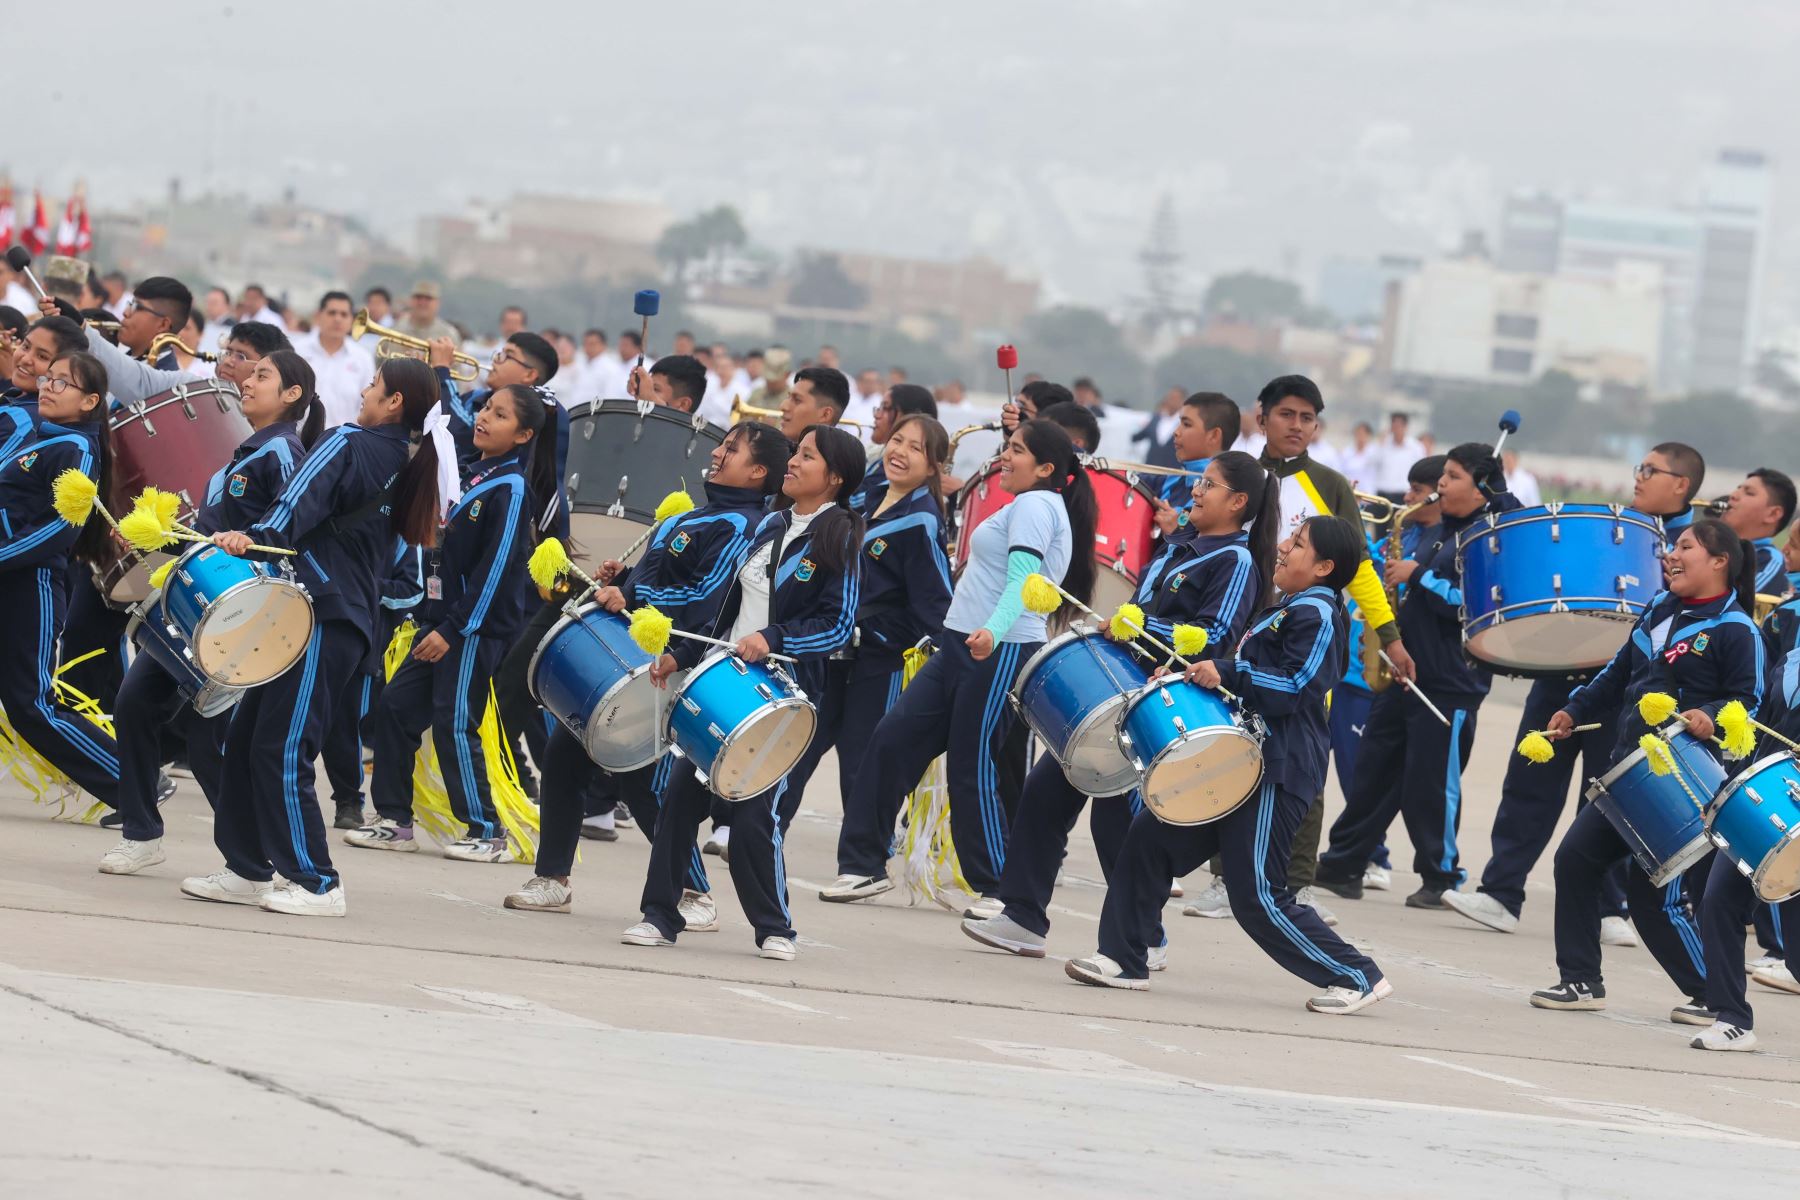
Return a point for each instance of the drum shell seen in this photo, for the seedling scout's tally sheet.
(590, 675)
(1071, 693)
(1197, 760)
(1516, 617)
(1661, 824)
(226, 608)
(1755, 820)
(151, 634)
(743, 725)
(649, 450)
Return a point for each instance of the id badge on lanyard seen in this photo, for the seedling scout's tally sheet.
(434, 586)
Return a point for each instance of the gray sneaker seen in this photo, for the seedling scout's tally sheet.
(1211, 902)
(1003, 933)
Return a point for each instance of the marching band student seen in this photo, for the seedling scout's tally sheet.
(525, 359)
(902, 400)
(818, 396)
(443, 685)
(357, 489)
(957, 704)
(48, 339)
(1206, 427)
(1404, 739)
(1215, 580)
(905, 594)
(796, 595)
(1759, 508)
(1781, 712)
(1283, 669)
(691, 563)
(157, 306)
(402, 594)
(1697, 643)
(35, 550)
(285, 414)
(1532, 794)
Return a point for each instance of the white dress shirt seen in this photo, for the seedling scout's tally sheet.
(1393, 460)
(340, 377)
(1524, 487)
(1358, 466)
(862, 408)
(20, 297)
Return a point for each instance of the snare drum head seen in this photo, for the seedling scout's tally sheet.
(1111, 589)
(1553, 642)
(1203, 777)
(625, 461)
(253, 632)
(763, 749)
(595, 537)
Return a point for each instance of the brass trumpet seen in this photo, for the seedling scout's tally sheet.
(395, 344)
(163, 341)
(741, 411)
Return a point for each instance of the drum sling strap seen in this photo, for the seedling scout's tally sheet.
(333, 527)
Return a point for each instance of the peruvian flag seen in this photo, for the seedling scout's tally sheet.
(37, 236)
(65, 231)
(7, 217)
(84, 233)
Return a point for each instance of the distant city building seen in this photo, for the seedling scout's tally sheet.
(1530, 233)
(540, 241)
(969, 294)
(1355, 289)
(1735, 198)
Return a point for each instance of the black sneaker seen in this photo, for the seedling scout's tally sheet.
(113, 820)
(599, 833)
(1349, 889)
(1692, 1013)
(1427, 897)
(349, 815)
(165, 788)
(1575, 997)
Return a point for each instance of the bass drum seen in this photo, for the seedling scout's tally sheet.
(625, 456)
(175, 441)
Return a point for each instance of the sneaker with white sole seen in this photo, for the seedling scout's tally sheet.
(719, 843)
(1722, 1035)
(1211, 902)
(1342, 1001)
(645, 934)
(225, 887)
(699, 910)
(1309, 897)
(298, 902)
(129, 857)
(1176, 891)
(779, 948)
(985, 907)
(481, 850)
(1615, 931)
(1482, 909)
(1003, 933)
(1763, 962)
(1573, 997)
(1157, 958)
(1693, 1013)
(542, 894)
(1776, 976)
(383, 834)
(1377, 879)
(846, 888)
(1097, 970)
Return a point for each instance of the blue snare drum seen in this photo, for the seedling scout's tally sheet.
(1197, 760)
(590, 675)
(1755, 820)
(1556, 588)
(1071, 694)
(743, 725)
(150, 631)
(1661, 817)
(245, 621)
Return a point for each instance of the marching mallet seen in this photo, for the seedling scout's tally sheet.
(19, 259)
(645, 304)
(1007, 357)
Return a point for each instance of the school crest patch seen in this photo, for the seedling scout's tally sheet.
(475, 510)
(1175, 583)
(877, 547)
(1275, 624)
(26, 462)
(238, 484)
(804, 572)
(678, 543)
(1700, 643)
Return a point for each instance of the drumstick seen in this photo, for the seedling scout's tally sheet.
(182, 533)
(1411, 687)
(713, 641)
(1789, 742)
(1576, 729)
(1142, 632)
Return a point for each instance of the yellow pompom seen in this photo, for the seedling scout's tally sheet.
(548, 564)
(1127, 622)
(650, 629)
(165, 505)
(1040, 595)
(1535, 747)
(141, 528)
(674, 504)
(1655, 708)
(1656, 753)
(1189, 640)
(73, 494)
(1736, 733)
(161, 574)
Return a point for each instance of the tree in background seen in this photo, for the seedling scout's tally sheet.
(1261, 299)
(820, 282)
(1217, 369)
(1067, 341)
(708, 237)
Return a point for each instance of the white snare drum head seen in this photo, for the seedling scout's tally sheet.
(763, 749)
(597, 537)
(1778, 877)
(253, 632)
(1203, 777)
(624, 730)
(1111, 589)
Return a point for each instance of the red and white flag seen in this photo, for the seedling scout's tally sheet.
(7, 216)
(37, 236)
(65, 231)
(84, 233)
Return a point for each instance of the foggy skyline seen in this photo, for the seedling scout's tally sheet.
(1040, 134)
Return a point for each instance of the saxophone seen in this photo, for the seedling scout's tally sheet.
(1376, 672)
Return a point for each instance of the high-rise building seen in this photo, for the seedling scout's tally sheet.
(1598, 240)
(1530, 233)
(1733, 215)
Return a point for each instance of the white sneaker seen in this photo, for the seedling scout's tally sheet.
(699, 910)
(846, 888)
(778, 948)
(719, 843)
(1157, 957)
(1097, 970)
(1211, 902)
(984, 908)
(1721, 1035)
(129, 857)
(1377, 879)
(1309, 896)
(1776, 976)
(298, 902)
(225, 887)
(1763, 962)
(1342, 1001)
(1176, 891)
(1003, 933)
(481, 850)
(542, 894)
(1614, 931)
(383, 834)
(1482, 909)
(644, 934)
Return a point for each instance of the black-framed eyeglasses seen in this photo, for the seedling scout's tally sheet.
(1646, 472)
(53, 387)
(506, 356)
(135, 304)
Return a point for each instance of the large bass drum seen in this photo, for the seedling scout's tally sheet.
(624, 457)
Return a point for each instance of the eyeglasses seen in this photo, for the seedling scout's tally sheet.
(1208, 483)
(233, 355)
(53, 387)
(135, 304)
(501, 357)
(1646, 472)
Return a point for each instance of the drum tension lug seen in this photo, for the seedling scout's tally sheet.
(693, 708)
(1180, 725)
(1168, 700)
(762, 689)
(737, 662)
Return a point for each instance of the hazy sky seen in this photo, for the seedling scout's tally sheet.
(1040, 132)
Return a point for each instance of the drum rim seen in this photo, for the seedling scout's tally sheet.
(178, 394)
(261, 579)
(567, 618)
(725, 746)
(1619, 514)
(1104, 710)
(1667, 733)
(1261, 767)
(701, 668)
(1056, 643)
(657, 741)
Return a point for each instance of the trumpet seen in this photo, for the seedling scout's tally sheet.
(1710, 508)
(163, 341)
(395, 344)
(741, 412)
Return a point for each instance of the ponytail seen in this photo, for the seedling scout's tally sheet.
(542, 494)
(308, 412)
(1050, 443)
(837, 532)
(1716, 537)
(1262, 515)
(414, 515)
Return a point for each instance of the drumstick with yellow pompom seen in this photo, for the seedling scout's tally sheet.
(1737, 728)
(1041, 594)
(76, 497)
(150, 525)
(1535, 746)
(651, 630)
